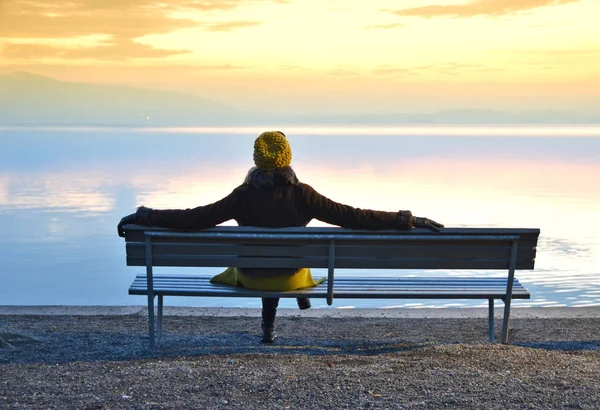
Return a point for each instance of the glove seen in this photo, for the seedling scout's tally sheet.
(426, 223)
(141, 217)
(129, 219)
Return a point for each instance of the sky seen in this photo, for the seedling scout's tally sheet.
(320, 56)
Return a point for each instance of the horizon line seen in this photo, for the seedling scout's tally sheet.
(450, 130)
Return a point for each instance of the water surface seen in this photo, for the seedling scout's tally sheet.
(63, 190)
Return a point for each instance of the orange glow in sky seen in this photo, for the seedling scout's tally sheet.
(308, 55)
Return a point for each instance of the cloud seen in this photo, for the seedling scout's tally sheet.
(562, 52)
(345, 72)
(385, 26)
(146, 73)
(31, 19)
(219, 5)
(230, 25)
(120, 50)
(492, 8)
(24, 21)
(395, 72)
(449, 68)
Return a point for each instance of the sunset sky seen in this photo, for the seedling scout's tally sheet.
(315, 56)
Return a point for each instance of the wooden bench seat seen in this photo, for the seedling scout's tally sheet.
(345, 288)
(331, 248)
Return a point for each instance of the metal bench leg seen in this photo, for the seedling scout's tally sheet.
(509, 288)
(150, 287)
(330, 269)
(505, 321)
(151, 318)
(491, 319)
(160, 317)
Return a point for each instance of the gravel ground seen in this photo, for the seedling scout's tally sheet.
(102, 362)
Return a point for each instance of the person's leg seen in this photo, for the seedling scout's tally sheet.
(303, 303)
(269, 311)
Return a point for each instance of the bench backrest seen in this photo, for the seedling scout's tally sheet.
(330, 247)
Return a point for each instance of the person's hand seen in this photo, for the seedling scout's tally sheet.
(129, 219)
(426, 223)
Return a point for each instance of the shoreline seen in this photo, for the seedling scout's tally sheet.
(390, 313)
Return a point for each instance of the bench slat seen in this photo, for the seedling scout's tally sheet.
(338, 287)
(136, 233)
(140, 229)
(314, 262)
(138, 250)
(476, 250)
(362, 280)
(469, 288)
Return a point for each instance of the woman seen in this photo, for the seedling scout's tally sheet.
(272, 197)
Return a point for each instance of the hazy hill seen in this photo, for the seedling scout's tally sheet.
(467, 116)
(31, 99)
(28, 99)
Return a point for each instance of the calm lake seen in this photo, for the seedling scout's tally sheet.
(63, 191)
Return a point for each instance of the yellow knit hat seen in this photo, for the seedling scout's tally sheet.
(272, 150)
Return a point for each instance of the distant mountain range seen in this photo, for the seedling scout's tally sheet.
(29, 99)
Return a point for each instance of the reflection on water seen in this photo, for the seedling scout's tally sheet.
(55, 192)
(62, 192)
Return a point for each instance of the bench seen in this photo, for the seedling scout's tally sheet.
(331, 248)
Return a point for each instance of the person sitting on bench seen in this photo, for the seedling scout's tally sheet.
(271, 196)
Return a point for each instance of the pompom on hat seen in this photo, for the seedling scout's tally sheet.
(272, 150)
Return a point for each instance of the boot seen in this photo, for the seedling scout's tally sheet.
(268, 333)
(269, 311)
(303, 303)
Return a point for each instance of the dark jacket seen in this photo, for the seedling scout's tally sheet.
(275, 200)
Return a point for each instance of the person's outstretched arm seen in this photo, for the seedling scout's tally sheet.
(326, 210)
(195, 218)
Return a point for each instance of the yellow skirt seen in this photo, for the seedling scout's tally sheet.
(300, 280)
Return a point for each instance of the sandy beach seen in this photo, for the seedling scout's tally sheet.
(98, 358)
